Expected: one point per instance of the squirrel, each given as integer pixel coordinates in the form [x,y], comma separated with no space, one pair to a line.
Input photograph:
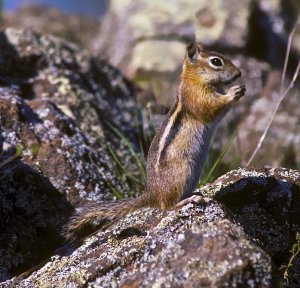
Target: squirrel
[180,146]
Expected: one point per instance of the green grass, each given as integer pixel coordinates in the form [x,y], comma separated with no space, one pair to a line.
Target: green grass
[132,179]
[19,152]
[295,252]
[137,158]
[214,165]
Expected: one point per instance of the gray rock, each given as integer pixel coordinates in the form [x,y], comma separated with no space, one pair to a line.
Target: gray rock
[239,237]
[282,143]
[131,23]
[56,101]
[75,28]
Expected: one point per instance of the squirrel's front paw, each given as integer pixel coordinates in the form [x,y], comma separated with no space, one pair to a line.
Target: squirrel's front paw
[236,92]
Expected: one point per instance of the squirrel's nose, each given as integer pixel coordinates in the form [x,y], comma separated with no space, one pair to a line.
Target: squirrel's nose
[238,74]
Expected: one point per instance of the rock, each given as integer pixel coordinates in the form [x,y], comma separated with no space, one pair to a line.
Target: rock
[281,145]
[75,28]
[131,23]
[267,209]
[145,58]
[146,40]
[259,26]
[59,104]
[240,237]
[270,23]
[147,65]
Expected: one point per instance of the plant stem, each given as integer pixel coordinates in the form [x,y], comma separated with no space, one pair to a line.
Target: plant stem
[282,94]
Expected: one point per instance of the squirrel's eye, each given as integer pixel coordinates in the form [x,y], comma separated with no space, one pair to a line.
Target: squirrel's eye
[216,62]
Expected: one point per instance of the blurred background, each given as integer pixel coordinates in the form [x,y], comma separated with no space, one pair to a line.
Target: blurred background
[146,41]
[90,8]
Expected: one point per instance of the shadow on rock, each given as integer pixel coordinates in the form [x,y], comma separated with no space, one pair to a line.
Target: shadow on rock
[32,212]
[267,207]
[16,67]
[55,101]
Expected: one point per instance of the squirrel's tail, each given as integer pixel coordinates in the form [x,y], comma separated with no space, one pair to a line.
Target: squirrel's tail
[93,216]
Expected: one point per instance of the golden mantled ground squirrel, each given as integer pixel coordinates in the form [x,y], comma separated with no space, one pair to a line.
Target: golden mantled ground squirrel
[180,146]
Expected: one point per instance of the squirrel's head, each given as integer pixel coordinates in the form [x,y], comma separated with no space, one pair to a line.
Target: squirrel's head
[208,67]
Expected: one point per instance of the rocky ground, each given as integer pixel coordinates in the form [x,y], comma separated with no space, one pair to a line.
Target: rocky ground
[240,237]
[57,106]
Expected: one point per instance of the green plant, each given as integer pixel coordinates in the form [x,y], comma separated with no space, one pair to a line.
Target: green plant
[34,149]
[18,153]
[136,157]
[295,251]
[213,167]
[131,180]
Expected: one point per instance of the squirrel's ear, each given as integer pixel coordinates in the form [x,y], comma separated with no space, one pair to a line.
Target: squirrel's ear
[193,50]
[200,47]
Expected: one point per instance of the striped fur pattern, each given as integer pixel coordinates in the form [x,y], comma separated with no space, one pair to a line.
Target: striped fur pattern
[175,161]
[179,148]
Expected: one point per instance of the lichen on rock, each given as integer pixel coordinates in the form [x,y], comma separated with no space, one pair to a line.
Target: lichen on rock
[228,241]
[56,102]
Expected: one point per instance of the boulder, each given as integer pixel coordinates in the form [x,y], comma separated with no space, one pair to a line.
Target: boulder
[58,106]
[240,237]
[261,27]
[132,23]
[76,28]
[57,109]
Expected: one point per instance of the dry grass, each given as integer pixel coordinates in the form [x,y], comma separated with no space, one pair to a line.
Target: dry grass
[284,91]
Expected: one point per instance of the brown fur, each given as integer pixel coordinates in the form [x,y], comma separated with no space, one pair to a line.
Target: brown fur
[201,103]
[180,146]
[85,221]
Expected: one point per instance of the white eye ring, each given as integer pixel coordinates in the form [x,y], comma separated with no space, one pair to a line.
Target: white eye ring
[215,66]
